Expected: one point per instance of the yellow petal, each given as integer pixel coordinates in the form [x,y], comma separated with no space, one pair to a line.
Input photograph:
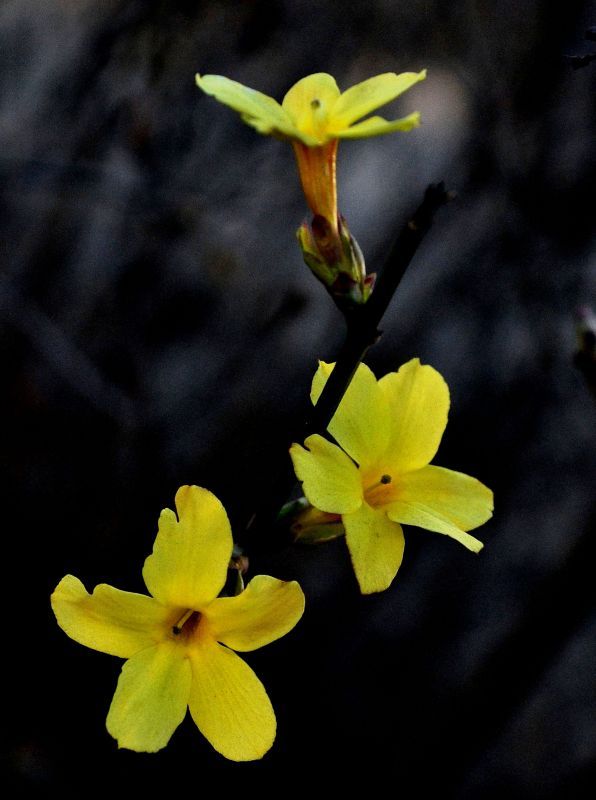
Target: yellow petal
[371,94]
[418,399]
[361,424]
[109,620]
[229,703]
[309,104]
[188,566]
[256,109]
[376,546]
[377,126]
[266,610]
[330,479]
[151,698]
[443,501]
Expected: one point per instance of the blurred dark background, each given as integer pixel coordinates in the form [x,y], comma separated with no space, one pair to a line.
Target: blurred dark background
[157,327]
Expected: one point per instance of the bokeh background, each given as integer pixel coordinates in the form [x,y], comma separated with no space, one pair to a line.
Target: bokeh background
[158,328]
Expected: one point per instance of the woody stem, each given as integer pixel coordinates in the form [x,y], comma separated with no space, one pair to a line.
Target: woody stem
[362,321]
[362,332]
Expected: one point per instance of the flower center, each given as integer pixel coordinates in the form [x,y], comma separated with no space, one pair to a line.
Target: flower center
[187,622]
[380,492]
[318,117]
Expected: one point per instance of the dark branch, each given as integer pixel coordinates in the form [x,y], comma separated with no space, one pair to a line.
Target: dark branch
[363,321]
[362,332]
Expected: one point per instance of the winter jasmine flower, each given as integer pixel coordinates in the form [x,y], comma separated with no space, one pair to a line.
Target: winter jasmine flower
[179,642]
[378,476]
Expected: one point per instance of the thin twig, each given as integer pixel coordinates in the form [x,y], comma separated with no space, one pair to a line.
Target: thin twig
[362,331]
[363,321]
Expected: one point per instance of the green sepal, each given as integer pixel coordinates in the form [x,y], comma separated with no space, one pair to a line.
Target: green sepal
[317,534]
[336,259]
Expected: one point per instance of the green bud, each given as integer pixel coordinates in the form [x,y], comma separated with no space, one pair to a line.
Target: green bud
[336,259]
[311,526]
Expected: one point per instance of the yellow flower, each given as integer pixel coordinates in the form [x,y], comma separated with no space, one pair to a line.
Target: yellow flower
[314,115]
[390,431]
[180,641]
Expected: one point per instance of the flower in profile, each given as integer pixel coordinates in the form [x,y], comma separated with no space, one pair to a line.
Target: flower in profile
[314,115]
[180,641]
[380,476]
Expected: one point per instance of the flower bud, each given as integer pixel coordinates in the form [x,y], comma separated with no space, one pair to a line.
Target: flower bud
[336,259]
[312,526]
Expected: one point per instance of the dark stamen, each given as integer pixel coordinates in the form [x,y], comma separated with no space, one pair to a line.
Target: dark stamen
[177,628]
